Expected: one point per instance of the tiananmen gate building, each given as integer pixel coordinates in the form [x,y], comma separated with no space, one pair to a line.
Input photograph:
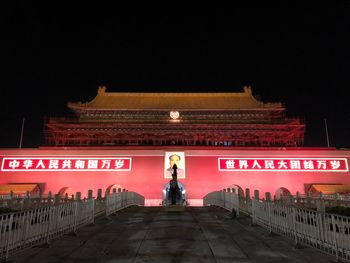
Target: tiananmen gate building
[220,140]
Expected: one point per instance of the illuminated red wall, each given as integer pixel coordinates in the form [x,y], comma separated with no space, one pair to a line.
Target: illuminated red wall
[202,174]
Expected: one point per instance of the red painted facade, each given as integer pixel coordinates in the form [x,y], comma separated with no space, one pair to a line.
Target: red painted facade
[202,173]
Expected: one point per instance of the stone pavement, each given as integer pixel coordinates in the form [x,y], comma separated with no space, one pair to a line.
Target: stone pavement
[151,234]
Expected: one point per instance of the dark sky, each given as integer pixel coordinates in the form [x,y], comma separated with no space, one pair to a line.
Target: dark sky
[298,55]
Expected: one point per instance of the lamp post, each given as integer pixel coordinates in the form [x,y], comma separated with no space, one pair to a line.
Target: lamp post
[21,138]
[325,124]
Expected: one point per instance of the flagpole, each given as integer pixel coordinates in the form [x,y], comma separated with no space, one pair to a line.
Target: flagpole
[20,141]
[325,124]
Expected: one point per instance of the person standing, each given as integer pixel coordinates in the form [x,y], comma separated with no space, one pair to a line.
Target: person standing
[174,187]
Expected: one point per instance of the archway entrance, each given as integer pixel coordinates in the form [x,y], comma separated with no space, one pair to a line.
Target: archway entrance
[114,188]
[236,188]
[66,191]
[281,193]
[181,199]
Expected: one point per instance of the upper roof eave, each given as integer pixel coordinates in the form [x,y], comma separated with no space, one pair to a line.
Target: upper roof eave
[168,101]
[178,109]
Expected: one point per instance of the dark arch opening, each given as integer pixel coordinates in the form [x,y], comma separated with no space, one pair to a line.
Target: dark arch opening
[66,191]
[281,193]
[236,188]
[114,188]
[181,199]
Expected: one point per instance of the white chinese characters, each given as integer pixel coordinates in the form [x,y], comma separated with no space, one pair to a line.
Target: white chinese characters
[285,164]
[66,164]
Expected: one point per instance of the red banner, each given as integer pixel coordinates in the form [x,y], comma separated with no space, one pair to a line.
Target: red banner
[284,164]
[65,164]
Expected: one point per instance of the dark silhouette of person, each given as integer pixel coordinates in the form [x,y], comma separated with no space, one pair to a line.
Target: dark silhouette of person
[174,187]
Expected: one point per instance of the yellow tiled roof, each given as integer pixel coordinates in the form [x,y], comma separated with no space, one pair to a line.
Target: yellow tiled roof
[176,101]
[330,188]
[18,188]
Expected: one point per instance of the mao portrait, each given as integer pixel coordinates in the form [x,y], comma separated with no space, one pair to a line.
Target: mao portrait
[172,158]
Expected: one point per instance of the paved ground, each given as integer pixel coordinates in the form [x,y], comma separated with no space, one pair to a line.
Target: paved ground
[150,234]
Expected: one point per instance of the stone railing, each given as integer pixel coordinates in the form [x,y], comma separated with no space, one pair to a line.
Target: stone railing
[318,202]
[58,216]
[327,232]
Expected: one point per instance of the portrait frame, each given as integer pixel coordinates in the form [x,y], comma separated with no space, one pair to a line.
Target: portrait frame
[181,165]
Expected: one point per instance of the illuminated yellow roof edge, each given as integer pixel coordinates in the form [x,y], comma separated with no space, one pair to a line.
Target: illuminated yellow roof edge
[216,104]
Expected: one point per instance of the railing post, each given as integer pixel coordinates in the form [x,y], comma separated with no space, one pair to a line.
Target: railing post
[294,221]
[92,203]
[76,214]
[320,206]
[290,199]
[107,204]
[27,200]
[49,198]
[297,196]
[268,204]
[10,202]
[99,193]
[338,199]
[256,194]
[247,194]
[98,201]
[240,197]
[9,236]
[335,238]
[321,223]
[90,192]
[240,193]
[309,199]
[248,201]
[57,199]
[50,216]
[235,202]
[254,201]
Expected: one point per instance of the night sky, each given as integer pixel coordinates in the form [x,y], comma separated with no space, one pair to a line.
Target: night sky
[297,55]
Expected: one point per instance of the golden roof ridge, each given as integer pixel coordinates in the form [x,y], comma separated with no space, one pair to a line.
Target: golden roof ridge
[181,100]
